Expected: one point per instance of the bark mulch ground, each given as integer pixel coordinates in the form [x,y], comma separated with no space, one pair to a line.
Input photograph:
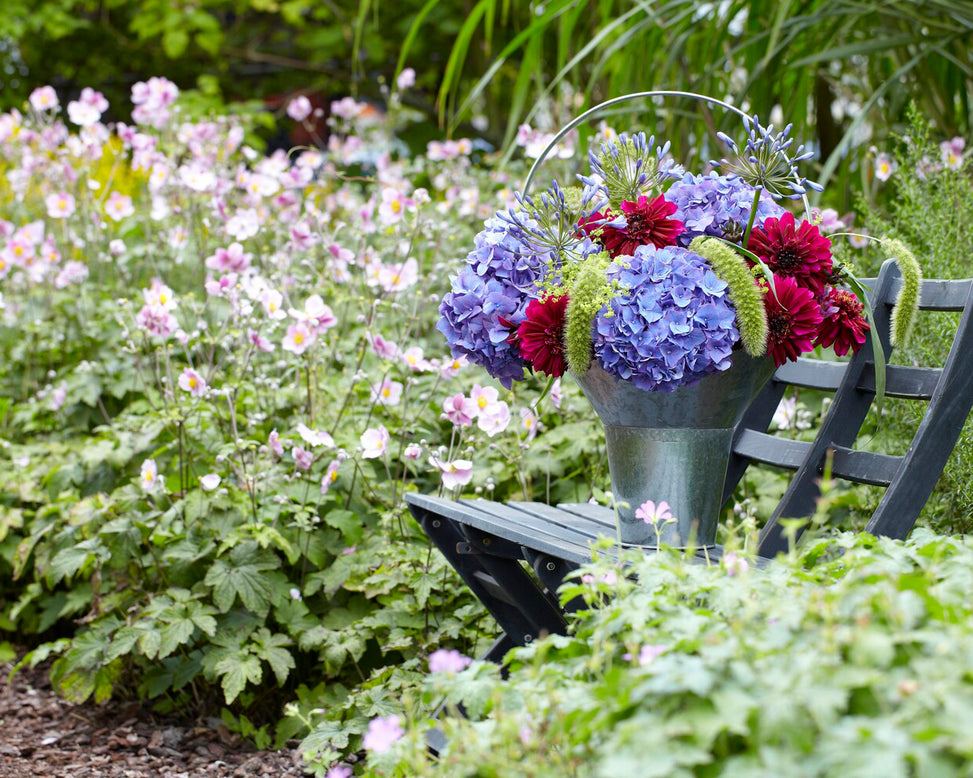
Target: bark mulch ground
[42,735]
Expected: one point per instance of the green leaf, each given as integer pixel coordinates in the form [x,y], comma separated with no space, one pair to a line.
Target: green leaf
[250,582]
[174,42]
[236,672]
[174,634]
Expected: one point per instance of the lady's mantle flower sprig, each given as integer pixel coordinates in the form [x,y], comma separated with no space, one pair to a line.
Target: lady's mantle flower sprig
[767,162]
[630,167]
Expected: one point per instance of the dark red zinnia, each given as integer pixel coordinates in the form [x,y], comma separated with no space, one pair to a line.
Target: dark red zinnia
[796,252]
[541,335]
[845,327]
[793,318]
[647,224]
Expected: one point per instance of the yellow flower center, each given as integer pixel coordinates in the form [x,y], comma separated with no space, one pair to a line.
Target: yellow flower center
[298,338]
[396,206]
[192,383]
[386,392]
[334,476]
[19,251]
[482,402]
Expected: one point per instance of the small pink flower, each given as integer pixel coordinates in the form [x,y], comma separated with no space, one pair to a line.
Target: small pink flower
[44,98]
[387,392]
[313,437]
[339,771]
[192,382]
[654,514]
[555,393]
[528,420]
[382,733]
[412,451]
[299,108]
[393,206]
[298,338]
[457,473]
[59,395]
[60,205]
[460,410]
[382,347]
[648,654]
[210,481]
[884,166]
[485,397]
[495,420]
[316,314]
[452,367]
[406,79]
[413,357]
[119,206]
[330,475]
[374,442]
[303,459]
[273,440]
[734,564]
[260,341]
[448,661]
[149,476]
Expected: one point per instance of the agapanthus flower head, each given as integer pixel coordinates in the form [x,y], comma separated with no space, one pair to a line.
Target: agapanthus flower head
[672,327]
[631,166]
[799,252]
[767,160]
[793,318]
[547,224]
[844,327]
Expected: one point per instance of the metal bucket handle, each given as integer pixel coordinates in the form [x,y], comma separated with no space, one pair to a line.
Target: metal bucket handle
[581,118]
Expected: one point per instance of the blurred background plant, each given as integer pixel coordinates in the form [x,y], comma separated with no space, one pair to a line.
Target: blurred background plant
[843,72]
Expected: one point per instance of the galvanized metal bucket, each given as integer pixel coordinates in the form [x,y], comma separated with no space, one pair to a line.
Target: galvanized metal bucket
[673,447]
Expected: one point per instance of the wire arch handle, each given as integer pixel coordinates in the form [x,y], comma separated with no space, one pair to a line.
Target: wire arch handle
[583,117]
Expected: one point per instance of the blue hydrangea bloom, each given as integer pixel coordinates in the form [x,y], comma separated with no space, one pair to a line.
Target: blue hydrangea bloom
[498,281]
[671,325]
[715,205]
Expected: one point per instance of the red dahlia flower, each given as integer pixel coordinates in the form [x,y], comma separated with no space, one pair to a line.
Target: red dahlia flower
[797,252]
[793,318]
[647,223]
[541,335]
[845,328]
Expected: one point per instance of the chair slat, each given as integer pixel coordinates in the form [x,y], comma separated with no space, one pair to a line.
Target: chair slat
[905,382]
[812,374]
[865,467]
[771,450]
[937,294]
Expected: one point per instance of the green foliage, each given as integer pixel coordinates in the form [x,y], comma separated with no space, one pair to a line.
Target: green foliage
[847,658]
[745,295]
[927,206]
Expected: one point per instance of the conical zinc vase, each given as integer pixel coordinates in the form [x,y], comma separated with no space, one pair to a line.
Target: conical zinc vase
[673,447]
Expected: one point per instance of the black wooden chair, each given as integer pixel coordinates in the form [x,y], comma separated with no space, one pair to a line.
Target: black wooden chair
[515,555]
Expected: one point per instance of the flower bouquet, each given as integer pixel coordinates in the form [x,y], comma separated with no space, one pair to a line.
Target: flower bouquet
[647,280]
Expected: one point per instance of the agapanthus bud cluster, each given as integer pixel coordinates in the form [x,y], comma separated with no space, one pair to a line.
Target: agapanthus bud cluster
[767,160]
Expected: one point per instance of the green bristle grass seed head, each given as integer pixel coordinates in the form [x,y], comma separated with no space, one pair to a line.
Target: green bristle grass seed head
[907,302]
[744,293]
[590,291]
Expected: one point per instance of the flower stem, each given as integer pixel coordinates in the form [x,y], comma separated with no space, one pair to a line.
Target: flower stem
[753,215]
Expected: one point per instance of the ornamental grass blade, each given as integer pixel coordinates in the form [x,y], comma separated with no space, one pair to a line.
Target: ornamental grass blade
[878,353]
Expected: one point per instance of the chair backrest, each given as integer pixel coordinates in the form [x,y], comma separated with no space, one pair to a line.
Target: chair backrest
[909,478]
